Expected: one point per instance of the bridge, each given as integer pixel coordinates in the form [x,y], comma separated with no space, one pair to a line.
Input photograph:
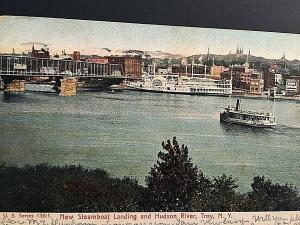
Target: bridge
[29,66]
[16,69]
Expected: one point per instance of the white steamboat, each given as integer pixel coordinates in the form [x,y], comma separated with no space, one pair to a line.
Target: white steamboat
[183,85]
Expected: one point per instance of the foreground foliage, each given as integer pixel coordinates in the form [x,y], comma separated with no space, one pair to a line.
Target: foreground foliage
[173,184]
[44,188]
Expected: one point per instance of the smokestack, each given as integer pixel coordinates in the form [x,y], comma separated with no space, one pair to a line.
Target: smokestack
[237,107]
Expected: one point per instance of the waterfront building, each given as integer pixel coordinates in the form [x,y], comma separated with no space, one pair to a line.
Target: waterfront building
[42,53]
[295,67]
[292,86]
[241,81]
[269,79]
[216,71]
[245,79]
[167,70]
[278,79]
[249,78]
[256,86]
[76,56]
[235,76]
[132,65]
[98,60]
[241,68]
[150,69]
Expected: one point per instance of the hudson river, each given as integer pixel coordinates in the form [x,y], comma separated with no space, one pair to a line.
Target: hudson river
[122,133]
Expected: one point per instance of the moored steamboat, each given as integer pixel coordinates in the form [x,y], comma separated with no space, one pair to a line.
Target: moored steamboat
[183,85]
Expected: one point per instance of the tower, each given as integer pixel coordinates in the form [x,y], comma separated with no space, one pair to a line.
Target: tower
[192,66]
[208,53]
[283,56]
[247,58]
[201,59]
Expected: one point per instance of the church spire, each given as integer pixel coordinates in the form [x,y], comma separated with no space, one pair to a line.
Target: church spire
[247,58]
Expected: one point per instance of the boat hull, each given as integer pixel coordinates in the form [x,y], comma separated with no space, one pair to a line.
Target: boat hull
[177,92]
[245,123]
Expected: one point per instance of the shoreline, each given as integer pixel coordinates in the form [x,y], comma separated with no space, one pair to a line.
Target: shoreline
[281,98]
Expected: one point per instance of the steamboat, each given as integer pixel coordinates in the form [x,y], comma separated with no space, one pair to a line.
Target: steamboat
[235,115]
[182,85]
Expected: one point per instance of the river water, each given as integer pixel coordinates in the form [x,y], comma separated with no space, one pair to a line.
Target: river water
[122,133]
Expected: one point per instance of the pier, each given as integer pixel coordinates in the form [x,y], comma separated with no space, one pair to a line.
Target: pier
[14,70]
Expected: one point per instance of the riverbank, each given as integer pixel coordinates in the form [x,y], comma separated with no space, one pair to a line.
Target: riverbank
[277,97]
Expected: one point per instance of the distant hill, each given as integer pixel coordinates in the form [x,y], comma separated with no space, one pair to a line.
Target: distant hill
[227,59]
[167,58]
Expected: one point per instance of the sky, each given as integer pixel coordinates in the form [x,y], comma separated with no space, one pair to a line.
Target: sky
[89,37]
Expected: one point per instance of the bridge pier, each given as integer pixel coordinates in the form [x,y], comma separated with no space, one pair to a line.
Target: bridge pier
[68,86]
[57,84]
[1,84]
[15,69]
[13,84]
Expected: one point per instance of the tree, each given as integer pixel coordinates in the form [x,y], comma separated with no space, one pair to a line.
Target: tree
[174,183]
[224,195]
[266,196]
[44,188]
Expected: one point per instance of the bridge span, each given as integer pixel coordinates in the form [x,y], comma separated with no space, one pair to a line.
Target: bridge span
[14,70]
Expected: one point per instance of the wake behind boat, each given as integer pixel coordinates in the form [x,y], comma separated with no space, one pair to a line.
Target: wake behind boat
[247,118]
[182,85]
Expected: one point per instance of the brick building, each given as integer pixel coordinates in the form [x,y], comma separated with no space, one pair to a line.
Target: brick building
[131,65]
[236,81]
[76,56]
[245,81]
[98,60]
[240,68]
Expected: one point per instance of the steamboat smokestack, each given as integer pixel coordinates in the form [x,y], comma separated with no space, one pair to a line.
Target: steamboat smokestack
[237,107]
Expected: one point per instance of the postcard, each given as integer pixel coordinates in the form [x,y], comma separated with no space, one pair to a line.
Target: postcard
[122,123]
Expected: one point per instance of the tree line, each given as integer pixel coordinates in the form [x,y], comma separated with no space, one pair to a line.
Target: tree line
[173,184]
